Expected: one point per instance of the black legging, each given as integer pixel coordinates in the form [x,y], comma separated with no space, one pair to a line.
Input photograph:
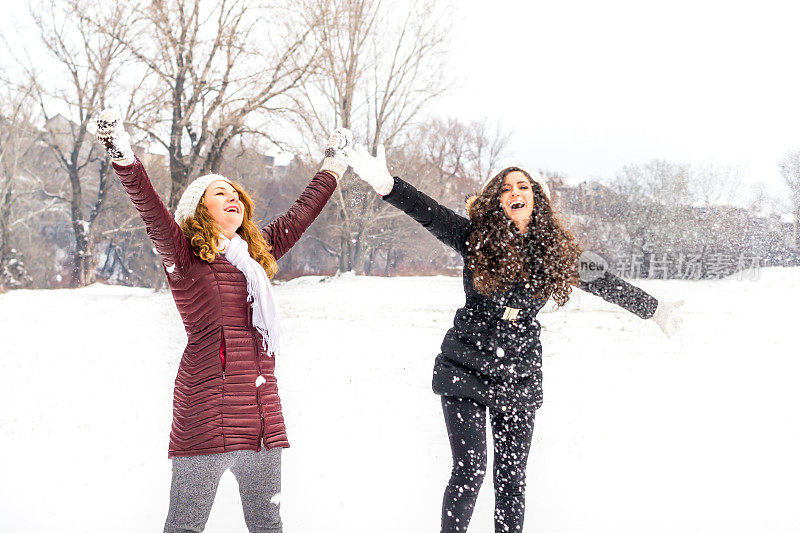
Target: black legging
[512,432]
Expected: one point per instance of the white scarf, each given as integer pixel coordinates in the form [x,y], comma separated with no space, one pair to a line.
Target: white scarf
[266,316]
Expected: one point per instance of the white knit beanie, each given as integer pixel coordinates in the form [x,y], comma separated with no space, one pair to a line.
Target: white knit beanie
[535,176]
[191,196]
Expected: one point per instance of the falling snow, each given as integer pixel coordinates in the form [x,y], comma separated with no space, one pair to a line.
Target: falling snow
[632,423]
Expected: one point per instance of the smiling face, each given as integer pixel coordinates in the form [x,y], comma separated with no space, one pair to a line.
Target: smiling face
[224,206]
[516,198]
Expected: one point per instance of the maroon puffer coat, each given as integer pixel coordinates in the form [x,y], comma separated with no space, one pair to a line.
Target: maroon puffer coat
[218,409]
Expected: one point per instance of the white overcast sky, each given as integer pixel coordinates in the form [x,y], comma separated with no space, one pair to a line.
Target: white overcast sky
[588,86]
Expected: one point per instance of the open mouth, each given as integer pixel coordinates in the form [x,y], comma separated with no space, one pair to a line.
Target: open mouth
[232,209]
[516,204]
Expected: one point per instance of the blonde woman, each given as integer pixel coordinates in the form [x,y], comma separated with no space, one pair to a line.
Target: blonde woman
[226,408]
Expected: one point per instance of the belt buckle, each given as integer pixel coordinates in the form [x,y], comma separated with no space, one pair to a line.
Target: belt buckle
[510,313]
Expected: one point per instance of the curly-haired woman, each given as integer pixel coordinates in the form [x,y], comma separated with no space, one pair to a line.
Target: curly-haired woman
[226,409]
[516,256]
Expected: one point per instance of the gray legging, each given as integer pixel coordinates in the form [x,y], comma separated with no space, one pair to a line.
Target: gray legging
[194,485]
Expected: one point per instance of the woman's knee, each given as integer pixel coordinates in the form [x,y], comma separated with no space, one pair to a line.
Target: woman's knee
[510,483]
[469,471]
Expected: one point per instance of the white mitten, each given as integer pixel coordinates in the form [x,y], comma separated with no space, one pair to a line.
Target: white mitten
[666,317]
[371,169]
[335,160]
[112,136]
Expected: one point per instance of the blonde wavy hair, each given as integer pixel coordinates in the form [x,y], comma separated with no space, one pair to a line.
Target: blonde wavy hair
[202,232]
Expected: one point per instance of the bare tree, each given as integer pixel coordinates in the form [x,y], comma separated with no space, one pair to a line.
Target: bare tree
[380,65]
[715,184]
[659,181]
[763,203]
[654,199]
[790,170]
[218,68]
[86,63]
[448,160]
[18,137]
[489,148]
[458,154]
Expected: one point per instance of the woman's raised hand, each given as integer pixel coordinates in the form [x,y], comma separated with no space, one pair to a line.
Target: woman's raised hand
[371,169]
[666,318]
[335,160]
[112,136]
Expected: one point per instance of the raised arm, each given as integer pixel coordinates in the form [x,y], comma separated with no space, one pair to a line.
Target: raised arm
[286,230]
[162,229]
[616,290]
[611,288]
[443,223]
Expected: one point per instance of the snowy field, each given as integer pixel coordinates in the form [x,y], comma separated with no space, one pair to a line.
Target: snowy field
[638,433]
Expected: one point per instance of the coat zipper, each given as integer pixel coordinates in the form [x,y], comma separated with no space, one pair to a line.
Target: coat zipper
[258,389]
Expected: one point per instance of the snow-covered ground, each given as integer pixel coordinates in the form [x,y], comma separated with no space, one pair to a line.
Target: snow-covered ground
[637,433]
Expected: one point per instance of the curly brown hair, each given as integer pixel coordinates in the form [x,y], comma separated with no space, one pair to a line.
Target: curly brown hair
[500,255]
[203,232]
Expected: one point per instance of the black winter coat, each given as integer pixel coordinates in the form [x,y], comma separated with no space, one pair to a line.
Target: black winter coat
[496,361]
